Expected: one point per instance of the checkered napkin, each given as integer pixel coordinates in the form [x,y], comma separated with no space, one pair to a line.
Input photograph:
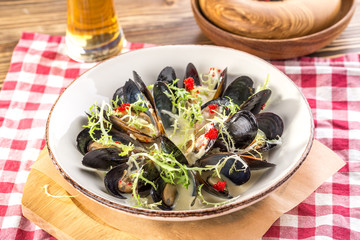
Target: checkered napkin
[40,70]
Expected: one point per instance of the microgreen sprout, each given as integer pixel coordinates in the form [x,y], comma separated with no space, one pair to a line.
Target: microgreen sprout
[215,204]
[134,116]
[265,85]
[97,121]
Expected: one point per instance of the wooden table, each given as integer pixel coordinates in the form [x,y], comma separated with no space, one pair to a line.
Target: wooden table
[153,21]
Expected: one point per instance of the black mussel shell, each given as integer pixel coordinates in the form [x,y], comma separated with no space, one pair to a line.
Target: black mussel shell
[130,130]
[143,89]
[242,127]
[271,124]
[192,72]
[151,173]
[103,158]
[220,87]
[164,192]
[241,172]
[161,94]
[129,93]
[235,169]
[112,179]
[208,188]
[169,147]
[257,102]
[219,101]
[255,164]
[167,75]
[147,94]
[83,139]
[240,90]
[125,139]
[207,144]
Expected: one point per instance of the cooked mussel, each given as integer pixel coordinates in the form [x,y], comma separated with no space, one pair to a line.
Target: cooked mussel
[257,101]
[239,90]
[272,126]
[164,104]
[149,172]
[235,169]
[146,92]
[118,181]
[221,102]
[146,127]
[104,158]
[191,72]
[209,86]
[204,141]
[256,163]
[165,193]
[242,128]
[85,143]
[208,185]
[169,147]
[167,75]
[221,85]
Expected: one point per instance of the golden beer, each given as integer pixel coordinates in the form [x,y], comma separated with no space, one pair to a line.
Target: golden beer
[93,32]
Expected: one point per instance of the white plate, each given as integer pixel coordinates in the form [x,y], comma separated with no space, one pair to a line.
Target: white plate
[99,83]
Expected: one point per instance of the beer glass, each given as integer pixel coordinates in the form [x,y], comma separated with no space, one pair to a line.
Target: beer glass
[93,32]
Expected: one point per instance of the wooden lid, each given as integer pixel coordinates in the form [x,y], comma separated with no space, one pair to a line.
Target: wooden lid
[271,19]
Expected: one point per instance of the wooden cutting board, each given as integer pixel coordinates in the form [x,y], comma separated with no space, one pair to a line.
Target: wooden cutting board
[63,218]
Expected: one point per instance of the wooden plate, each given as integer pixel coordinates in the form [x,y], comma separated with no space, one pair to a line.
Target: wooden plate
[276,48]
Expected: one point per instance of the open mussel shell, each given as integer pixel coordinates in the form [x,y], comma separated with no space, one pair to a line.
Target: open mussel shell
[83,140]
[143,89]
[130,130]
[129,93]
[167,75]
[255,164]
[240,90]
[203,144]
[146,92]
[210,189]
[151,173]
[164,192]
[112,179]
[257,102]
[103,158]
[164,104]
[125,139]
[222,101]
[242,127]
[220,87]
[271,124]
[235,168]
[169,147]
[193,73]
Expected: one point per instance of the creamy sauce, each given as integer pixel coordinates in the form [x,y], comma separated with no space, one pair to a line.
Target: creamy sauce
[185,198]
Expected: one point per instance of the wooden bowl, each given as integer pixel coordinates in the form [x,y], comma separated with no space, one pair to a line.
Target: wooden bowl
[276,48]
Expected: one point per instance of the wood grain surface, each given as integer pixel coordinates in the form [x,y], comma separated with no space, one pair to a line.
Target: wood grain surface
[271,20]
[159,22]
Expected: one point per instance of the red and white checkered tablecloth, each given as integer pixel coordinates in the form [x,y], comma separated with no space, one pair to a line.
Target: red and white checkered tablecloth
[40,70]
